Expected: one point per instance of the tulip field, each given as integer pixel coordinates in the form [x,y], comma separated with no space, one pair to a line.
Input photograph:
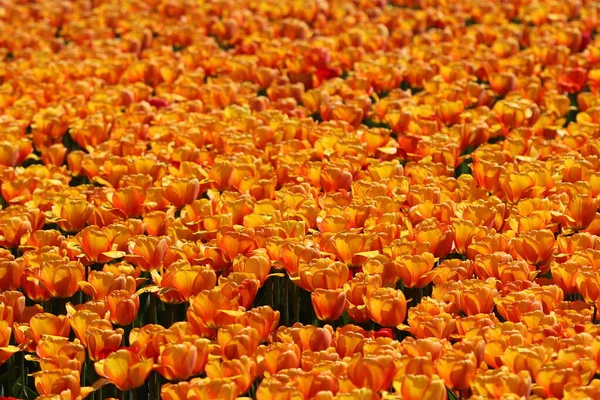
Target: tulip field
[299,199]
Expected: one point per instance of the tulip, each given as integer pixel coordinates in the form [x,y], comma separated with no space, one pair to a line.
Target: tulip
[10,275]
[59,353]
[535,247]
[212,389]
[276,357]
[6,351]
[237,340]
[457,371]
[328,304]
[44,324]
[54,382]
[372,372]
[72,213]
[323,274]
[350,247]
[182,191]
[61,278]
[147,252]
[552,379]
[124,369]
[386,306]
[264,319]
[423,387]
[123,307]
[416,270]
[177,361]
[102,342]
[498,382]
[241,371]
[182,281]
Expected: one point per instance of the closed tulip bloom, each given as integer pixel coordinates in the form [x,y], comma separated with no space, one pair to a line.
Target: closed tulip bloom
[62,278]
[175,391]
[526,358]
[212,389]
[177,361]
[237,340]
[102,342]
[147,252]
[478,300]
[123,307]
[422,387]
[552,379]
[328,304]
[56,381]
[535,247]
[373,372]
[264,319]
[6,351]
[180,192]
[184,281]
[457,371]
[124,369]
[16,301]
[386,306]
[323,273]
[242,371]
[73,213]
[10,275]
[277,356]
[416,270]
[498,382]
[45,324]
[60,353]
[588,284]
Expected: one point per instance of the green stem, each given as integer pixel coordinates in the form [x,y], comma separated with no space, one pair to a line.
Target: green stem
[296,306]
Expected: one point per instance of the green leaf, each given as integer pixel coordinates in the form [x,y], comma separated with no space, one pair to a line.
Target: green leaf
[452,396]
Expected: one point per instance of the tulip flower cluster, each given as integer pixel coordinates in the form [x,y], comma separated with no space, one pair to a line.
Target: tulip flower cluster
[316,199]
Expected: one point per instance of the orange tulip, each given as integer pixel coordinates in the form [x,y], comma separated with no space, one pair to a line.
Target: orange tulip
[588,284]
[386,306]
[43,324]
[264,319]
[182,281]
[179,361]
[458,371]
[212,389]
[535,247]
[182,191]
[10,275]
[242,371]
[72,213]
[322,273]
[412,387]
[147,252]
[373,372]
[237,340]
[328,304]
[61,278]
[350,247]
[6,351]
[213,308]
[552,379]
[59,353]
[276,357]
[124,369]
[102,342]
[498,382]
[54,382]
[123,306]
[416,270]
